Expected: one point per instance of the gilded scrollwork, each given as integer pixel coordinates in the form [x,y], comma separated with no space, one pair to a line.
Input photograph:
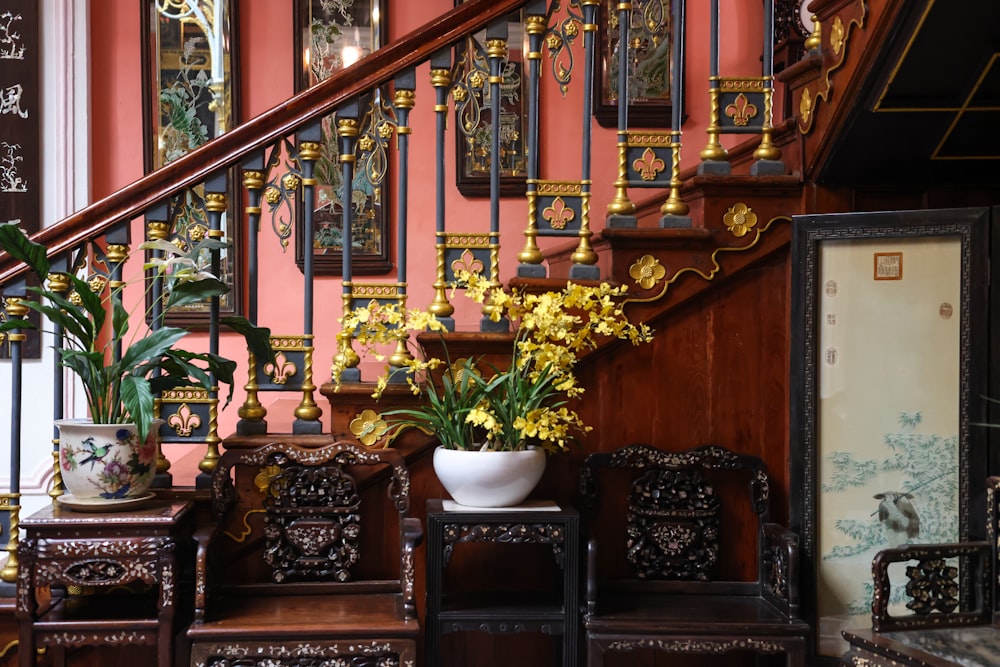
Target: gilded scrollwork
[560,39]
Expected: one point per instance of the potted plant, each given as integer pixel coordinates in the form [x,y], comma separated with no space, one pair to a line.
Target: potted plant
[117,460]
[518,411]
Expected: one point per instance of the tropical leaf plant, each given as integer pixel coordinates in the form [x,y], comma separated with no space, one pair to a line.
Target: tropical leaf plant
[121,389]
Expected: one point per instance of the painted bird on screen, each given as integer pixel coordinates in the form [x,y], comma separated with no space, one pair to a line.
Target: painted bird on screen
[898,517]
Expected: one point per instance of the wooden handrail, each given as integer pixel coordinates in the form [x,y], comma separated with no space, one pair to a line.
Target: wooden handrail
[280,121]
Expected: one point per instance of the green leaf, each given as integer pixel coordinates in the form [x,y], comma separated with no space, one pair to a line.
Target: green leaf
[151,347]
[89,301]
[18,245]
[185,292]
[119,316]
[138,400]
[258,338]
[74,321]
[8,325]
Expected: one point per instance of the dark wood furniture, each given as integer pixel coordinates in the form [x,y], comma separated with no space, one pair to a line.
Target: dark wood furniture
[100,579]
[553,612]
[950,594]
[944,626]
[661,526]
[310,560]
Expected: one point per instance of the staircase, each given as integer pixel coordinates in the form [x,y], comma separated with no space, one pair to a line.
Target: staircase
[704,254]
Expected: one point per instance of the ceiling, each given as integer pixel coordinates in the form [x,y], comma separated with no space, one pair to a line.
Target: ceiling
[929,109]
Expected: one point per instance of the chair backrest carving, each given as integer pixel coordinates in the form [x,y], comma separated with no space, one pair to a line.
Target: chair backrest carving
[672,525]
[673,510]
[311,500]
[312,522]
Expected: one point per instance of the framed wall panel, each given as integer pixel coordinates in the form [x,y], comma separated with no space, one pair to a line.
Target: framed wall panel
[190,75]
[328,37]
[650,58]
[473,115]
[889,362]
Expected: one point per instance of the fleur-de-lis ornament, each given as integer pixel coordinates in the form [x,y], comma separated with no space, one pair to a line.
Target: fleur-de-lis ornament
[741,111]
[281,369]
[184,421]
[648,165]
[558,215]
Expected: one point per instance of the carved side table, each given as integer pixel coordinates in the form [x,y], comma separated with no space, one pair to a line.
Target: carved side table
[100,579]
[450,611]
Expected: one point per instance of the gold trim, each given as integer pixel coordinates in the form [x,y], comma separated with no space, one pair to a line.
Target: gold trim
[472,240]
[743,84]
[713,150]
[674,205]
[716,267]
[370,291]
[8,647]
[157,230]
[805,124]
[239,539]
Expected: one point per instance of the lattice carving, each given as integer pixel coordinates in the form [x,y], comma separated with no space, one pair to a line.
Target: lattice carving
[672,526]
[312,522]
[932,586]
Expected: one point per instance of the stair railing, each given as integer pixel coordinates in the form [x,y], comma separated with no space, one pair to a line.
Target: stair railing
[290,134]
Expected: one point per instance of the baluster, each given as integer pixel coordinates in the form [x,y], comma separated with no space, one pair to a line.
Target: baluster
[118,239]
[584,258]
[58,281]
[674,211]
[347,133]
[403,101]
[768,156]
[11,502]
[252,413]
[158,229]
[714,158]
[307,413]
[496,54]
[621,210]
[814,42]
[531,257]
[441,81]
[216,203]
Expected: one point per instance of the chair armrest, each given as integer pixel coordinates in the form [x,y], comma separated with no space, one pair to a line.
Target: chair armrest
[933,587]
[779,563]
[590,586]
[202,538]
[412,532]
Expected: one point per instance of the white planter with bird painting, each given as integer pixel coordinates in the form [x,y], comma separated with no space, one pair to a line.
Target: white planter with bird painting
[105,464]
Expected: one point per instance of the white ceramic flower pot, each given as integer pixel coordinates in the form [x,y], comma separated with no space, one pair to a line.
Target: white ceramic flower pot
[105,461]
[489,479]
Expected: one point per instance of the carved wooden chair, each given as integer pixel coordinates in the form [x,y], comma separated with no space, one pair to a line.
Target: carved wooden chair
[310,560]
[939,608]
[662,526]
